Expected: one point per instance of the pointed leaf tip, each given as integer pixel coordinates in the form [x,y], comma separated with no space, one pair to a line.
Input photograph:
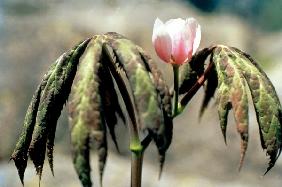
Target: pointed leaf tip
[102,156]
[161,162]
[224,136]
[244,145]
[50,159]
[270,166]
[21,166]
[223,110]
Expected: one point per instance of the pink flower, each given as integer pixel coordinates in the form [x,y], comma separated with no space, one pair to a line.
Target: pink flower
[177,40]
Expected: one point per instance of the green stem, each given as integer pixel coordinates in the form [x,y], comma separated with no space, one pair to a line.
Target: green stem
[136,158]
[176,89]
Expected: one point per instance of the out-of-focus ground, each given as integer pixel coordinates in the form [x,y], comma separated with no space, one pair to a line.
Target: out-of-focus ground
[34,33]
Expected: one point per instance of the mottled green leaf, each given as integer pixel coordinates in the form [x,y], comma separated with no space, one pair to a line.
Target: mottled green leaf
[144,93]
[110,102]
[109,57]
[232,90]
[164,136]
[236,72]
[52,99]
[85,110]
[266,104]
[20,154]
[224,105]
[37,118]
[264,97]
[150,93]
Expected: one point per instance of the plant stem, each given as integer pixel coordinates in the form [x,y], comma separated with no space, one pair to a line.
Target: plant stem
[136,158]
[136,168]
[184,101]
[176,89]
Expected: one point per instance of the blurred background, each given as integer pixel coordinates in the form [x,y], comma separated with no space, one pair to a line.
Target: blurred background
[34,33]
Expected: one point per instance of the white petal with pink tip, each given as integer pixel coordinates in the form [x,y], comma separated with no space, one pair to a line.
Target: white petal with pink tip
[177,40]
[161,41]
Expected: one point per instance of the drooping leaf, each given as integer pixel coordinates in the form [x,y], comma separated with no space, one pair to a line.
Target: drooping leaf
[81,152]
[111,105]
[66,86]
[233,90]
[144,93]
[20,154]
[36,115]
[150,94]
[118,74]
[164,136]
[88,123]
[51,103]
[266,104]
[236,72]
[264,97]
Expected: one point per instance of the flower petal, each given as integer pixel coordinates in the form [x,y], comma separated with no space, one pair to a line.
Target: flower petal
[161,41]
[180,49]
[176,40]
[180,38]
[195,33]
[158,25]
[174,27]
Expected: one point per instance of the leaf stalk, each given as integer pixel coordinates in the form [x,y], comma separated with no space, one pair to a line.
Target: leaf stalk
[176,89]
